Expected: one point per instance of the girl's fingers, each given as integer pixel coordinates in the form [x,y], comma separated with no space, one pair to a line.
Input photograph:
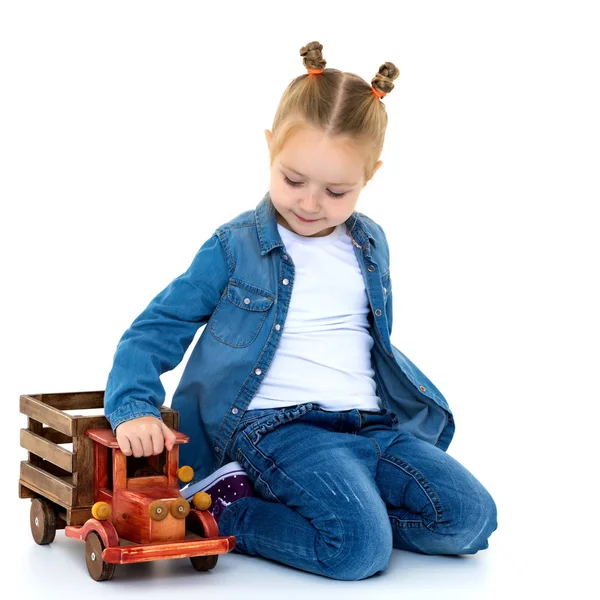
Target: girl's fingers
[136,446]
[124,444]
[169,436]
[157,441]
[146,440]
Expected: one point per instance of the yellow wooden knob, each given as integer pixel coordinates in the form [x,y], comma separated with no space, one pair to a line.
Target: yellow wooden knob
[201,500]
[101,511]
[185,473]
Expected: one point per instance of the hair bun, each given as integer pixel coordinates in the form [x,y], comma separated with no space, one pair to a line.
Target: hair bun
[312,57]
[385,76]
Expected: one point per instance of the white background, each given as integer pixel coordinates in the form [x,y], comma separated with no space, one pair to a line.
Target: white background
[130,130]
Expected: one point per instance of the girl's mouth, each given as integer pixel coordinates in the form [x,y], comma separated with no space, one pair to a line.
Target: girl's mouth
[306,220]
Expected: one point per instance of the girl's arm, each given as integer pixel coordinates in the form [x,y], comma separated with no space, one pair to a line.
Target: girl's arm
[157,340]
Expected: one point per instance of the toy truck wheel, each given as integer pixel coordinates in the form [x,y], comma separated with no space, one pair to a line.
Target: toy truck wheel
[98,569]
[201,563]
[204,563]
[43,521]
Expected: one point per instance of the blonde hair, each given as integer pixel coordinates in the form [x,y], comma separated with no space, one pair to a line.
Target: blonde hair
[341,104]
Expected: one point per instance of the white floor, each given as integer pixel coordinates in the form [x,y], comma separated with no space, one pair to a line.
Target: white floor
[521,558]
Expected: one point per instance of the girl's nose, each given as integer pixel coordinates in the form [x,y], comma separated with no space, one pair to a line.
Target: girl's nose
[310,203]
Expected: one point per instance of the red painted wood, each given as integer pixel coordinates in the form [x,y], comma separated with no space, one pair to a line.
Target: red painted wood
[105,529]
[172,462]
[180,549]
[107,438]
[119,470]
[144,482]
[209,525]
[100,469]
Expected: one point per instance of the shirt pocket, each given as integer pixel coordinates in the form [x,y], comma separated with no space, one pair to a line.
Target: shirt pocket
[240,314]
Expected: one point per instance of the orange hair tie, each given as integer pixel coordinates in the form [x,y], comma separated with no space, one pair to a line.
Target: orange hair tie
[314,71]
[378,93]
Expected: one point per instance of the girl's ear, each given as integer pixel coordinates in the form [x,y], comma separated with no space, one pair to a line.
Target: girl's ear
[268,136]
[377,165]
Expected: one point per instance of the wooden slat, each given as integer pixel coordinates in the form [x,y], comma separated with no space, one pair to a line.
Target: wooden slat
[83,470]
[82,424]
[74,400]
[170,417]
[47,450]
[47,485]
[77,516]
[35,427]
[25,492]
[46,414]
[55,436]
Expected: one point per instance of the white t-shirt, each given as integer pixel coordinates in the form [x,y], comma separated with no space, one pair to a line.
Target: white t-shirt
[324,353]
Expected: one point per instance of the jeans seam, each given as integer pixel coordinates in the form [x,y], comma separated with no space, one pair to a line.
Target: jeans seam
[406,523]
[377,448]
[423,484]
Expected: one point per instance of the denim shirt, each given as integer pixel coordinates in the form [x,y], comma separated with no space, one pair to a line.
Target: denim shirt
[239,285]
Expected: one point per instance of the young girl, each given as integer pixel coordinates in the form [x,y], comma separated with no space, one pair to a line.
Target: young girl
[326,444]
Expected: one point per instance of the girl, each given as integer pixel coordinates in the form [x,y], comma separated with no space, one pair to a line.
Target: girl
[326,444]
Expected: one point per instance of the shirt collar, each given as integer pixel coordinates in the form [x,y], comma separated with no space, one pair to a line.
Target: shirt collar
[268,235]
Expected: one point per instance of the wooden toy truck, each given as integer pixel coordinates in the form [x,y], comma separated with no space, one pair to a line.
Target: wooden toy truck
[125,509]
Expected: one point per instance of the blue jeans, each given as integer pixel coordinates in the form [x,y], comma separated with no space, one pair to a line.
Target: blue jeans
[335,492]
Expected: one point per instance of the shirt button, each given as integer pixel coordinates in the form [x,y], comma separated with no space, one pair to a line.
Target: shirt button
[421,388]
[257,371]
[285,257]
[246,300]
[285,281]
[235,411]
[277,326]
[217,449]
[371,268]
[378,312]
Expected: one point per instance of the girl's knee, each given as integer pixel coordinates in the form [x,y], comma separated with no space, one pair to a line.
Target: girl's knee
[478,520]
[365,549]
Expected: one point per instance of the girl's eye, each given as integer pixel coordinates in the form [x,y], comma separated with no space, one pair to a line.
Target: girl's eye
[298,183]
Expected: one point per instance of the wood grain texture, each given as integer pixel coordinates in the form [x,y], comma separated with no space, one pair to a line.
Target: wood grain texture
[181,549]
[83,470]
[46,414]
[47,450]
[47,485]
[74,400]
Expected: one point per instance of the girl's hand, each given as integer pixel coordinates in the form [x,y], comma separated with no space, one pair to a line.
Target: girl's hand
[144,436]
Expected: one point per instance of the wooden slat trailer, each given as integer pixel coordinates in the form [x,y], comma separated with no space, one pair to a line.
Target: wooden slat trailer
[126,509]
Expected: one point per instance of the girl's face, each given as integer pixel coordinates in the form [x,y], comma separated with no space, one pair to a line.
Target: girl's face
[315,182]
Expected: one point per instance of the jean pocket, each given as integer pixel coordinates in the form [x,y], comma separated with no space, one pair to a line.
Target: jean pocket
[267,423]
[260,487]
[251,416]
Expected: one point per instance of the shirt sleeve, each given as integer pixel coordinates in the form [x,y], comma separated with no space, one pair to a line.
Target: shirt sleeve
[158,338]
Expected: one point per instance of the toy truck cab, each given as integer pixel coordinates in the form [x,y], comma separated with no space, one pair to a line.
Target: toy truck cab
[139,514]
